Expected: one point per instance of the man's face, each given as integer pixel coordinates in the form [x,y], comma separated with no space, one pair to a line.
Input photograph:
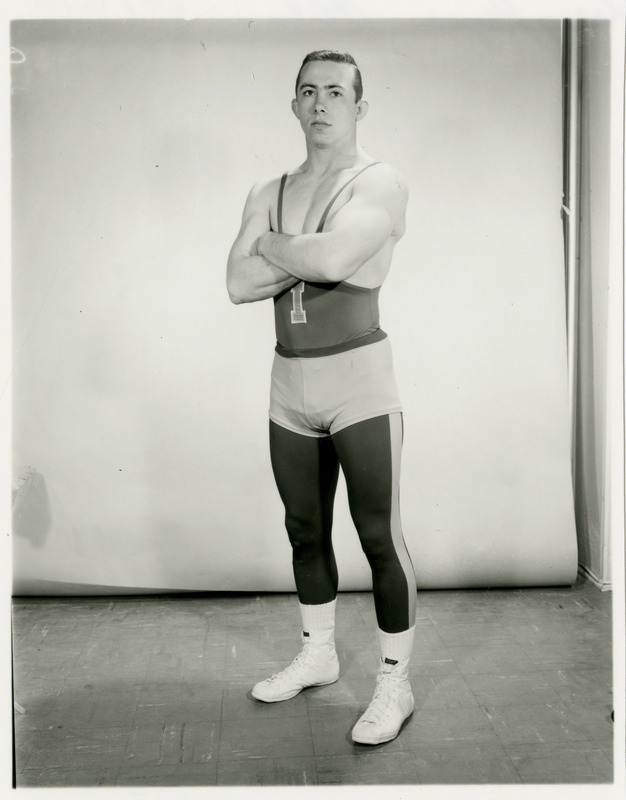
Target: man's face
[325,103]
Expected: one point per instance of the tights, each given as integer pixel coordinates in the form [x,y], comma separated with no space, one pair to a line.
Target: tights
[306,470]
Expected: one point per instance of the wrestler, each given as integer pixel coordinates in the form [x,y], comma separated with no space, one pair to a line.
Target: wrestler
[319,241]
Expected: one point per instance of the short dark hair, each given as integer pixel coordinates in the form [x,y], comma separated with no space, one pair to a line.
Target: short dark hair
[339,58]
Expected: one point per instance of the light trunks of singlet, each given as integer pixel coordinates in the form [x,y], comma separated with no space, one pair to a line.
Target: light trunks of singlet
[319,319]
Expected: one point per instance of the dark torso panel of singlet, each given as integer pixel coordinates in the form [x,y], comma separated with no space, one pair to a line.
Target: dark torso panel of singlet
[316,319]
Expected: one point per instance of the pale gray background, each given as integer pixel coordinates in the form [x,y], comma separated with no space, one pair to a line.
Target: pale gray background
[141,393]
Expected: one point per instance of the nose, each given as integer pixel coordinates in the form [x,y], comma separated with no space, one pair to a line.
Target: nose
[320,105]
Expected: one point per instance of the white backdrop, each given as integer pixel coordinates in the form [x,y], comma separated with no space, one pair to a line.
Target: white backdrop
[141,393]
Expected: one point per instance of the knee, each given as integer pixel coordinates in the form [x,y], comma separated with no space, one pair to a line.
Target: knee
[377,543]
[379,554]
[305,530]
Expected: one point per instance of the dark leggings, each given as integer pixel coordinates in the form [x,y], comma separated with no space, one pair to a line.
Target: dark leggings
[306,471]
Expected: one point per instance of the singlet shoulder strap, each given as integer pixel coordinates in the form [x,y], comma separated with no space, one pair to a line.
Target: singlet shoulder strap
[336,195]
[279,210]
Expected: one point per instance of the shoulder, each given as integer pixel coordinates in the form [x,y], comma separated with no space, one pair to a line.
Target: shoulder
[383,181]
[262,198]
[264,192]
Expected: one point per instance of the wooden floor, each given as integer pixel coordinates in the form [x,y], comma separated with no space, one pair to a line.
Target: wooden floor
[511,687]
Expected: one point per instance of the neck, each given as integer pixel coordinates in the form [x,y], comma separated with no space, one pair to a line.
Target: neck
[331,159]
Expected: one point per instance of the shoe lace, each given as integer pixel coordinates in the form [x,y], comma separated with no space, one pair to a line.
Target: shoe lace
[296,665]
[387,686]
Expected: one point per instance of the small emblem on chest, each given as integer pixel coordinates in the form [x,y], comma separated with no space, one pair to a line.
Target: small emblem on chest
[298,314]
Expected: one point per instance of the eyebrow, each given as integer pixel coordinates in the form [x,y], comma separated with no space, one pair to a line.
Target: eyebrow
[327,86]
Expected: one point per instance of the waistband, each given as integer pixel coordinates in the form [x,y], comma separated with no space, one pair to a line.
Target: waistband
[314,352]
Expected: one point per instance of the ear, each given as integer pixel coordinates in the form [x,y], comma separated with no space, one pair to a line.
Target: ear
[361,109]
[294,107]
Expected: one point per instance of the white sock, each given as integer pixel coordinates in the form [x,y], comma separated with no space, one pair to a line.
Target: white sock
[396,646]
[318,617]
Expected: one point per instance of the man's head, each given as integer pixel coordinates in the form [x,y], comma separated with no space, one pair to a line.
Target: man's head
[328,101]
[338,58]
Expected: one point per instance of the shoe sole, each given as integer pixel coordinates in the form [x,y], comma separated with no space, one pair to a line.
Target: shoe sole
[293,694]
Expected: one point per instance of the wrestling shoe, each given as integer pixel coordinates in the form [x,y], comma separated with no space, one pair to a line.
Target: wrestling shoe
[315,665]
[391,705]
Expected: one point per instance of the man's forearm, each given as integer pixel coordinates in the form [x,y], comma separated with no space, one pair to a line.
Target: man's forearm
[254,278]
[308,256]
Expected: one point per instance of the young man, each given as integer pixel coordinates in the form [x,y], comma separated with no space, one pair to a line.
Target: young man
[319,242]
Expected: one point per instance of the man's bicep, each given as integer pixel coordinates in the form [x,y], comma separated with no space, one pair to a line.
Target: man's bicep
[255,221]
[375,204]
[363,221]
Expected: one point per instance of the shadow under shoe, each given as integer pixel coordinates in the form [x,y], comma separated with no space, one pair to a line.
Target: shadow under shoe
[315,665]
[391,705]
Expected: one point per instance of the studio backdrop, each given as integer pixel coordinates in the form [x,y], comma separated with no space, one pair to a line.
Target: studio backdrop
[141,394]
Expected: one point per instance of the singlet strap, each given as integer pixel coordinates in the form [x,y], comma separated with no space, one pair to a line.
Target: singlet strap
[279,211]
[336,195]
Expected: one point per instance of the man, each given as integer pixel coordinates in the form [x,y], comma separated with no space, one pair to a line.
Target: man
[319,242]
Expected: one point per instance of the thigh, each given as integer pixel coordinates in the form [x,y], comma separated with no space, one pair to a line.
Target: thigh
[305,468]
[370,453]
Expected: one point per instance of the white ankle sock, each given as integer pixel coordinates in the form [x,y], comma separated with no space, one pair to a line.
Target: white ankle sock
[318,617]
[396,646]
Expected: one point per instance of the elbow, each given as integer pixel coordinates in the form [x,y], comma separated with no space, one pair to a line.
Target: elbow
[342,259]
[234,293]
[235,297]
[235,288]
[339,268]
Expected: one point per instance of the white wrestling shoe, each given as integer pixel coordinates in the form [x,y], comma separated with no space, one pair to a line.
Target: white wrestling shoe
[315,665]
[391,705]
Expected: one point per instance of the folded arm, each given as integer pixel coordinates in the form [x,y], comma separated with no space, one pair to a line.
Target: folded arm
[249,275]
[355,233]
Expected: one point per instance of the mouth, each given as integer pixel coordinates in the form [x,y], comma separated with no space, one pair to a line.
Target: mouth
[319,124]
